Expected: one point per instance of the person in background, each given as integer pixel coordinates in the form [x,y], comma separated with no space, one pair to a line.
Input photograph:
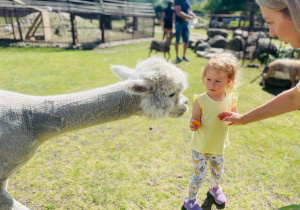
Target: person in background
[283,17]
[210,134]
[167,19]
[183,15]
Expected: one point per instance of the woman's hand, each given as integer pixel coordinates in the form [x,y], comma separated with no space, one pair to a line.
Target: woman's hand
[232,117]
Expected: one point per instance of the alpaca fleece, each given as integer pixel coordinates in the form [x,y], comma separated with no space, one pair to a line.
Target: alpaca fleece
[154,89]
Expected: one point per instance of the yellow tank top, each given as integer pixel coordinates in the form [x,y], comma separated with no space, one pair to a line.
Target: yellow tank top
[212,134]
[298,86]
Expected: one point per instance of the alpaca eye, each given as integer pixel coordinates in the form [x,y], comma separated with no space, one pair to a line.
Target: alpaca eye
[173,94]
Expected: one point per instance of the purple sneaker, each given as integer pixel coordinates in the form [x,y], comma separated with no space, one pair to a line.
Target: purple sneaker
[191,205]
[218,195]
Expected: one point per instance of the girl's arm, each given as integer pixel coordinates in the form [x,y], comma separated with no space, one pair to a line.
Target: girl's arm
[234,109]
[196,115]
[284,102]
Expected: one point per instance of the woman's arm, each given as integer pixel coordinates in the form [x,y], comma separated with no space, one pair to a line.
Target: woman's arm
[284,102]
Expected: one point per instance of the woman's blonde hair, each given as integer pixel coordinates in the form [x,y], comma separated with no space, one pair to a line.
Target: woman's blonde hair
[227,63]
[292,7]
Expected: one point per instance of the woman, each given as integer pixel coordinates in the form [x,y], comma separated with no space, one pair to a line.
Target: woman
[283,17]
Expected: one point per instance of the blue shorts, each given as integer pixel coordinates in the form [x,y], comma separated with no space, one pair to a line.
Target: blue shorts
[182,29]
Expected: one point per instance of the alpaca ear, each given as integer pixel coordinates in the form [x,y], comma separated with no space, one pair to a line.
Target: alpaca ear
[122,72]
[138,86]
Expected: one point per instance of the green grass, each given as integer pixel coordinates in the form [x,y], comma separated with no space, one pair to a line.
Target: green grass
[138,163]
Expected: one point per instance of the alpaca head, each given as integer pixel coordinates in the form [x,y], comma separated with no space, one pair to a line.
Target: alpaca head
[160,85]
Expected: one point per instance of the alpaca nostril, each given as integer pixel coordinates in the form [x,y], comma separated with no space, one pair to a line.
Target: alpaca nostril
[186,101]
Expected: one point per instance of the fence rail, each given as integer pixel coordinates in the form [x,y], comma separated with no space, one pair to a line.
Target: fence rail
[75,21]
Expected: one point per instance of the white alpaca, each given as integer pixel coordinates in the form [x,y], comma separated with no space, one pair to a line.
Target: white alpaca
[154,89]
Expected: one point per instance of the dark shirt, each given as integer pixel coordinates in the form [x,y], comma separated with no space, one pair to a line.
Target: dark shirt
[185,7]
[168,19]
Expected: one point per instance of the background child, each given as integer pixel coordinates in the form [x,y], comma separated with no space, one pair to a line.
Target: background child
[167,19]
[219,77]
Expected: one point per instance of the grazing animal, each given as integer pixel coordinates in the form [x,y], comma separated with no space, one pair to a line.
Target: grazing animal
[283,69]
[162,46]
[154,89]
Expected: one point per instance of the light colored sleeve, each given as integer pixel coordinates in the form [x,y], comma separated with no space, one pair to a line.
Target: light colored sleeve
[198,96]
[298,86]
[235,98]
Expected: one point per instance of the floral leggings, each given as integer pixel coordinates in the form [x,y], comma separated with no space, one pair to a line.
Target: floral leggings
[200,167]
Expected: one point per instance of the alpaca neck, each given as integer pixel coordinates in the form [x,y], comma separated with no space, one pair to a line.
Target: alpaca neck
[84,109]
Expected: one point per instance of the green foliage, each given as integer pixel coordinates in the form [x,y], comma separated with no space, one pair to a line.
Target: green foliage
[159,6]
[225,6]
[283,53]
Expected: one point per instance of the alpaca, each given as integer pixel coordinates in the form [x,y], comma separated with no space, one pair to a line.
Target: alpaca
[284,69]
[154,89]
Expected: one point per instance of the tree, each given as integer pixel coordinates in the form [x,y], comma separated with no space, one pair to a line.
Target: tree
[225,6]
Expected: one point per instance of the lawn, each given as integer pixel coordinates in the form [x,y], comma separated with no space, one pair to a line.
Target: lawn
[138,163]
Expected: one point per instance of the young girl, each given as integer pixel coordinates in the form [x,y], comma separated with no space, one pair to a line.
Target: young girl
[210,133]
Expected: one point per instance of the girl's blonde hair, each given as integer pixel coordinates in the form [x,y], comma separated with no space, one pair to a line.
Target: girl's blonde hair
[290,8]
[227,63]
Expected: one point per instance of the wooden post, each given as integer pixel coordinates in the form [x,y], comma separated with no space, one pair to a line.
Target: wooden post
[251,16]
[292,56]
[102,27]
[135,23]
[245,14]
[153,27]
[5,16]
[257,40]
[268,50]
[12,25]
[74,37]
[19,26]
[37,27]
[32,26]
[240,19]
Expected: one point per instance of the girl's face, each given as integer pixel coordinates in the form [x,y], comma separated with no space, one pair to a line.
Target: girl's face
[282,27]
[216,82]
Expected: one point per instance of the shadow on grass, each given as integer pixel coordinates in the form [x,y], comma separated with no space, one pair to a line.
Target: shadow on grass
[272,85]
[291,207]
[209,202]
[275,90]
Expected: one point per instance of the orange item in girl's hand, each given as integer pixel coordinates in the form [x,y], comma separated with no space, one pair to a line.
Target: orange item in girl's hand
[195,122]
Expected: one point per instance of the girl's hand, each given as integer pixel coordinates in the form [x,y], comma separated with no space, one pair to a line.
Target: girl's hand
[194,125]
